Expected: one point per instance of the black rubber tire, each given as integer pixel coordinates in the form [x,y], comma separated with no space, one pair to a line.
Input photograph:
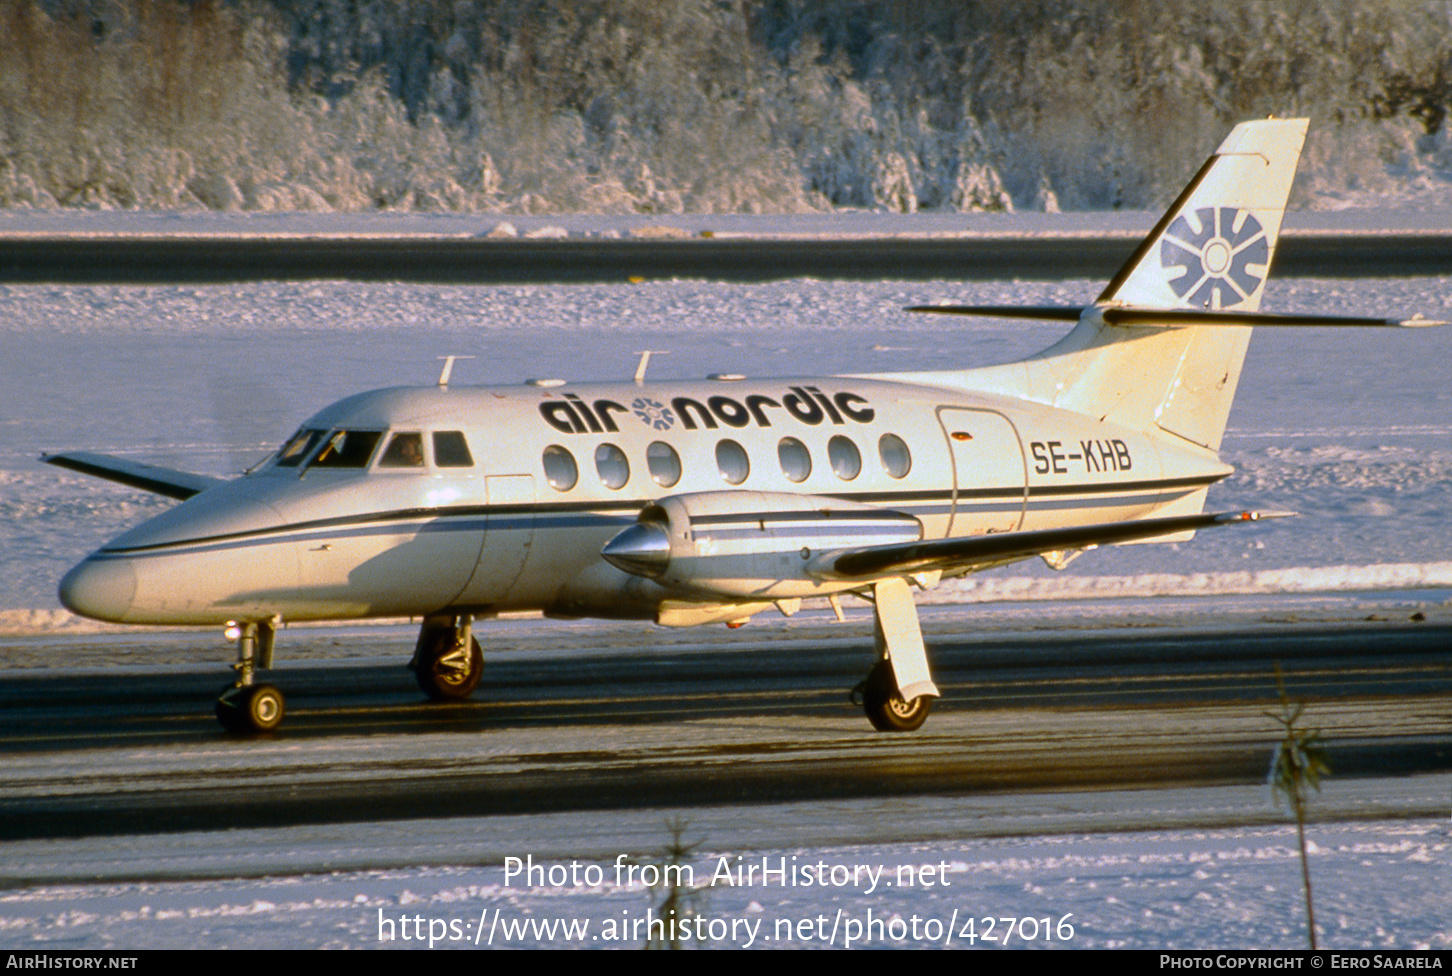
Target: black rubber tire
[443,670]
[886,709]
[251,710]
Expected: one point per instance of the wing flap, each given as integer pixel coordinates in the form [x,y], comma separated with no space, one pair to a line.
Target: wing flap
[180,485]
[961,554]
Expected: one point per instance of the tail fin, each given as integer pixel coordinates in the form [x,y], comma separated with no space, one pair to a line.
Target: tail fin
[1163,345]
[1212,249]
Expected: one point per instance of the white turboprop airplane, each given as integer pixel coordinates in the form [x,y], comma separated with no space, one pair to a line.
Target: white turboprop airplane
[709,501]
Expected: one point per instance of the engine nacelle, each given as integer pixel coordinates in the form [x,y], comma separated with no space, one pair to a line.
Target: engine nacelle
[749,544]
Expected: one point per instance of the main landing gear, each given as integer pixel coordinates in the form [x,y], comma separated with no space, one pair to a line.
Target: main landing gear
[245,707]
[898,692]
[448,662]
[884,704]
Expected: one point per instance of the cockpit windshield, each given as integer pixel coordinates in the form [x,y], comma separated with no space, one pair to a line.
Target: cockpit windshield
[318,448]
[347,449]
[298,447]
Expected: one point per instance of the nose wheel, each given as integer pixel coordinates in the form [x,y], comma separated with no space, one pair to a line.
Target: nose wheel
[251,709]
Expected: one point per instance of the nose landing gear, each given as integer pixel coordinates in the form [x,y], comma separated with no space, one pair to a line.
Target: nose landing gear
[256,708]
[245,708]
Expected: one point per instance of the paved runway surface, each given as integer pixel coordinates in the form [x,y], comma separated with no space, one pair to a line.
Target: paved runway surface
[573,717]
[155,259]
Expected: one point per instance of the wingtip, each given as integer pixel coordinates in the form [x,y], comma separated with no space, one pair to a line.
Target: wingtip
[1250,516]
[1256,516]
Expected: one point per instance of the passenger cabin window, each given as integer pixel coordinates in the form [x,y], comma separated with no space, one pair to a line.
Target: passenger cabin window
[845,459]
[451,450]
[347,449]
[896,460]
[732,461]
[613,468]
[559,467]
[404,451]
[298,447]
[796,461]
[664,463]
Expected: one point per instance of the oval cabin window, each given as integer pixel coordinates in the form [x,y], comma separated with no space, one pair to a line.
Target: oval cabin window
[896,460]
[845,459]
[796,460]
[732,461]
[559,468]
[664,463]
[613,468]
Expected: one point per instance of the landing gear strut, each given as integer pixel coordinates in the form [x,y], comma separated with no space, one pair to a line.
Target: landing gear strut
[898,692]
[244,707]
[448,661]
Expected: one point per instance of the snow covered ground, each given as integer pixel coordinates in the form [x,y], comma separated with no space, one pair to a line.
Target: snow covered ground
[1351,428]
[1376,884]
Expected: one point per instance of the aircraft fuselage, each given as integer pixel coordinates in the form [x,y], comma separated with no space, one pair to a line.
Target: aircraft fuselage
[550,474]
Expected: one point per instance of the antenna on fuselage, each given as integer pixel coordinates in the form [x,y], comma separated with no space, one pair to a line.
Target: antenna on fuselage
[645,355]
[448,370]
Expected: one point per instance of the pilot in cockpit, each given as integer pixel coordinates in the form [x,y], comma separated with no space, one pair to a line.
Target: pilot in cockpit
[404,451]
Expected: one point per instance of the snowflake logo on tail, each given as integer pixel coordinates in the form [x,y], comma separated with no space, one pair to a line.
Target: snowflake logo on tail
[1216,257]
[653,413]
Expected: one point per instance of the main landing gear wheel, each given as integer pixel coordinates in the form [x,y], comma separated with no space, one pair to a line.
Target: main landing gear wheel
[250,709]
[446,669]
[885,708]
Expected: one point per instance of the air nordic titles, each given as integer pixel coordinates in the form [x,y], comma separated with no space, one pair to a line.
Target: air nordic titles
[804,404]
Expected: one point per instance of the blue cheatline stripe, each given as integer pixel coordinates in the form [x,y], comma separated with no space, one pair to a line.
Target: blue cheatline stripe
[473,518]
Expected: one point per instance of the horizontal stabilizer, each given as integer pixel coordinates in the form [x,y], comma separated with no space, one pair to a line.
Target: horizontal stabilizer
[1042,313]
[180,485]
[961,554]
[1121,315]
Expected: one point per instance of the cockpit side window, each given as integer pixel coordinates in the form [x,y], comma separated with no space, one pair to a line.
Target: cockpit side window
[404,451]
[347,449]
[451,450]
[298,447]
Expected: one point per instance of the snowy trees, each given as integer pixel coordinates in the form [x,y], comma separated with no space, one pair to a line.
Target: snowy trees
[696,105]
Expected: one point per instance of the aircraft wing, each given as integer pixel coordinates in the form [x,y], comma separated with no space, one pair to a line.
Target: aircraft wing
[961,554]
[180,485]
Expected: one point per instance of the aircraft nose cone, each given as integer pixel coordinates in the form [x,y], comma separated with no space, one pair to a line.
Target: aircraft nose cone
[643,549]
[102,589]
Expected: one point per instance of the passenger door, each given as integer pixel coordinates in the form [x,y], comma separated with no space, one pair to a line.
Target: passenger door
[989,475]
